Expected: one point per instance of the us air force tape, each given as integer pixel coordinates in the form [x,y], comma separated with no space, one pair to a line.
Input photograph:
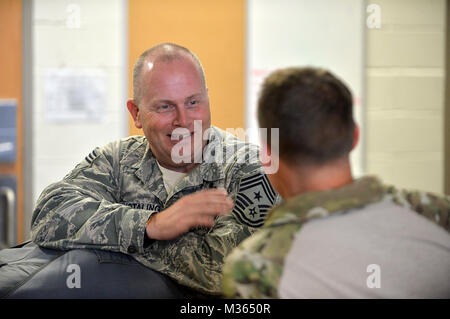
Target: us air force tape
[254,199]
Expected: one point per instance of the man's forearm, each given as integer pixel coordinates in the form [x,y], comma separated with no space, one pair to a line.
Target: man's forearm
[195,259]
[69,217]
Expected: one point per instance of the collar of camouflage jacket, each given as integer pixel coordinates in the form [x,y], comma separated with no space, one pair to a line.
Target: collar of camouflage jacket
[142,159]
[303,207]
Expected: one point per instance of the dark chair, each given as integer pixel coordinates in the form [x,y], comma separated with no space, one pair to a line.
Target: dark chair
[29,271]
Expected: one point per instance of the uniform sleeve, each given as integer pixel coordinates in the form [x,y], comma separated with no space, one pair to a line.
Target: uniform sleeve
[195,259]
[81,211]
[434,207]
[248,273]
[253,270]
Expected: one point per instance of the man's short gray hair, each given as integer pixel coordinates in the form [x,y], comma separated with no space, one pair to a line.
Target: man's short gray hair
[165,52]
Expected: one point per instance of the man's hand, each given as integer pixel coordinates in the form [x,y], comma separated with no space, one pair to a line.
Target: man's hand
[194,210]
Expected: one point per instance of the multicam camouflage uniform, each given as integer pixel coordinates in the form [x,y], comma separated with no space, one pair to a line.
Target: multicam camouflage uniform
[254,268]
[106,200]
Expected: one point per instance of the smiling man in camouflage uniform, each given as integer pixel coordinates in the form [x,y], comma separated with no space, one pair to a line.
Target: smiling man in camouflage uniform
[334,236]
[175,209]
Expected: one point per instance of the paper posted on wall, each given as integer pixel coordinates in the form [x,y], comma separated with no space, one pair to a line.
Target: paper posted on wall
[74,94]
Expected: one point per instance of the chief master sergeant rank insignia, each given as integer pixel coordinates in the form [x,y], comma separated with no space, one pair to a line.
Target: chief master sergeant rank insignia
[255,197]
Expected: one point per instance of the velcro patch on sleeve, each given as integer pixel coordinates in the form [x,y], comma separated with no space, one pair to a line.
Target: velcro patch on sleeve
[254,199]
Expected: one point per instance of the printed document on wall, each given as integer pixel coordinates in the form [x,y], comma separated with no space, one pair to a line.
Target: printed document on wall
[73,95]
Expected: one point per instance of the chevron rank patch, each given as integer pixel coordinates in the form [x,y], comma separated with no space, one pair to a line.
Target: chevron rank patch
[90,158]
[254,199]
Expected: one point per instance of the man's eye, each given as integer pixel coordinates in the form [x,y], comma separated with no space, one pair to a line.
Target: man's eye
[193,103]
[163,108]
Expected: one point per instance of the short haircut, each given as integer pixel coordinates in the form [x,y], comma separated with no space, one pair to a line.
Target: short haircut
[313,111]
[165,52]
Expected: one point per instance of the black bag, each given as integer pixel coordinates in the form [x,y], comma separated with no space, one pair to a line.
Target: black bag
[29,271]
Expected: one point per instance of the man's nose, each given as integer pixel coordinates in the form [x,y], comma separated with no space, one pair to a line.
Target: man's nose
[181,118]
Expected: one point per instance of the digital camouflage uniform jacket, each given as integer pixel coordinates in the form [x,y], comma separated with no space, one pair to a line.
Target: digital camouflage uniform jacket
[254,269]
[106,200]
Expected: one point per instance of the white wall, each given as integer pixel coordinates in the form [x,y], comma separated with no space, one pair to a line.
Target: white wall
[98,45]
[396,71]
[322,33]
[405,94]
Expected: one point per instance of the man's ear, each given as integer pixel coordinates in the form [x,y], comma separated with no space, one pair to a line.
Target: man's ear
[265,153]
[134,112]
[355,136]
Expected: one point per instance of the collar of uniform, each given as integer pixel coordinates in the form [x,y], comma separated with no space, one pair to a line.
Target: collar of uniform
[141,158]
[361,192]
[134,152]
[211,168]
[147,166]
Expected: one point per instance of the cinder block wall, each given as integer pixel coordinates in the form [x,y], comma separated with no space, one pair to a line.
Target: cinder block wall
[405,73]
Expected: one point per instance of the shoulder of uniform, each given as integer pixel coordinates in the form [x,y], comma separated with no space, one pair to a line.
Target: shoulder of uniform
[111,153]
[133,139]
[227,138]
[254,198]
[257,259]
[118,146]
[114,151]
[244,155]
[131,142]
[435,207]
[237,156]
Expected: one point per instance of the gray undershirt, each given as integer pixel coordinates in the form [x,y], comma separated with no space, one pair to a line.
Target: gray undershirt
[329,258]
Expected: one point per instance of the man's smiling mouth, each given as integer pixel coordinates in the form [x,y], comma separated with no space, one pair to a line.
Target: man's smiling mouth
[179,136]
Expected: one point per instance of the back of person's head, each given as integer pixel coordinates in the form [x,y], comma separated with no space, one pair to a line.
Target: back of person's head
[313,111]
